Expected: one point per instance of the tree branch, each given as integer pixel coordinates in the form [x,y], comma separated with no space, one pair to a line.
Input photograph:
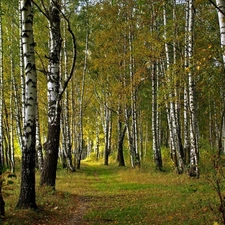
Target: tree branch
[218,8]
[45,13]
[72,69]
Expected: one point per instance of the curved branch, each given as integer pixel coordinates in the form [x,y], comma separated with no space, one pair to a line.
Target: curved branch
[72,69]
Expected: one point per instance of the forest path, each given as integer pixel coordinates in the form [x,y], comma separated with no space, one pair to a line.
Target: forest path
[78,215]
[86,195]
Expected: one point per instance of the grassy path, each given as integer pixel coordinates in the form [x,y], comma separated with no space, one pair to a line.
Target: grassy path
[111,195]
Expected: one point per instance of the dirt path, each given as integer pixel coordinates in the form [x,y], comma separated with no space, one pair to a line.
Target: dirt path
[78,216]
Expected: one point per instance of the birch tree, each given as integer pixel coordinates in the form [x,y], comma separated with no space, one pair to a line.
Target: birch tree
[171,83]
[51,146]
[81,89]
[221,18]
[27,197]
[55,89]
[2,203]
[155,125]
[66,125]
[193,131]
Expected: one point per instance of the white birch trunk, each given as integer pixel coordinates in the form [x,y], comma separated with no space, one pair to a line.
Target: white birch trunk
[66,142]
[48,176]
[81,98]
[11,125]
[27,197]
[194,171]
[39,152]
[172,104]
[155,129]
[221,18]
[22,77]
[133,96]
[1,97]
[2,203]
[97,137]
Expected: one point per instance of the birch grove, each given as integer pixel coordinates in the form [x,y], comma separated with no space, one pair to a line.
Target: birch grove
[147,77]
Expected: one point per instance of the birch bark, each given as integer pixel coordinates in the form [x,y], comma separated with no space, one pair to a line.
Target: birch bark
[66,125]
[27,198]
[81,97]
[2,203]
[51,146]
[193,131]
[155,129]
[171,100]
[221,18]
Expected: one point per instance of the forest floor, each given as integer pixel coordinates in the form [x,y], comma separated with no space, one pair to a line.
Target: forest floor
[98,194]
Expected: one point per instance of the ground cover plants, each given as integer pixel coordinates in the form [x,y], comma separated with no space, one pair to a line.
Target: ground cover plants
[98,194]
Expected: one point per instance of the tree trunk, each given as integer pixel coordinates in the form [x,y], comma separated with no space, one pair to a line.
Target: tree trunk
[97,137]
[51,146]
[66,125]
[107,127]
[39,152]
[1,96]
[155,129]
[48,176]
[81,99]
[194,170]
[27,198]
[121,135]
[2,203]
[221,18]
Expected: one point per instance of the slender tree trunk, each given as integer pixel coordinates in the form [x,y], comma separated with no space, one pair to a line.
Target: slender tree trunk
[2,203]
[155,130]
[221,18]
[107,127]
[121,135]
[133,96]
[97,137]
[39,152]
[81,101]
[194,170]
[27,198]
[12,106]
[1,95]
[48,176]
[67,144]
[22,79]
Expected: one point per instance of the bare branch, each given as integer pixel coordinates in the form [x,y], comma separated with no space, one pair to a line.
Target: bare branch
[72,69]
[218,8]
[44,12]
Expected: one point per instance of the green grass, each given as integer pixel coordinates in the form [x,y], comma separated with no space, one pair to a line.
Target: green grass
[116,195]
